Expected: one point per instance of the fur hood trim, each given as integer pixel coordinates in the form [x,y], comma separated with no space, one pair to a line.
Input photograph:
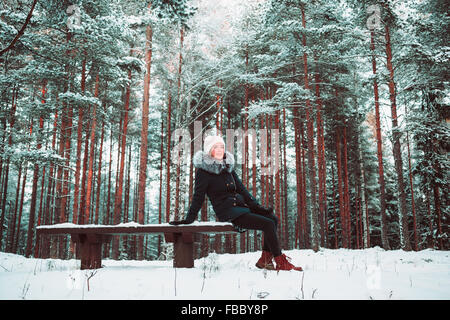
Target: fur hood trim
[204,161]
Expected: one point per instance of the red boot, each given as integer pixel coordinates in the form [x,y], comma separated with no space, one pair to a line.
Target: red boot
[265,262]
[284,264]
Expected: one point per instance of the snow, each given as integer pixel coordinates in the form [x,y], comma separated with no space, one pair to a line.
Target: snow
[329,274]
[131,224]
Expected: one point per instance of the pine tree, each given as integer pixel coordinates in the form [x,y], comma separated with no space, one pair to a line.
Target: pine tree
[85,88]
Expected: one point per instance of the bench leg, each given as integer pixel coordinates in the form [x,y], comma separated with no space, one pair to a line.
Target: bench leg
[91,255]
[90,250]
[183,248]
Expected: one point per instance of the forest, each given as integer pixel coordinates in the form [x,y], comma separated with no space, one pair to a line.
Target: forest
[103,104]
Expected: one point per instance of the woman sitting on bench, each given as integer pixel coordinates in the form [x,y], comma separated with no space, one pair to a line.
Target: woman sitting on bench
[231,201]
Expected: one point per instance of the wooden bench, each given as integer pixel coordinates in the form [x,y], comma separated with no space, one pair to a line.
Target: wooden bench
[91,237]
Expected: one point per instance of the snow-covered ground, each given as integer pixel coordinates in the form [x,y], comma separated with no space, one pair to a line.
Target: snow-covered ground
[329,274]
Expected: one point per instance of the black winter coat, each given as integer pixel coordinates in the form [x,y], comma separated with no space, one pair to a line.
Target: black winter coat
[225,190]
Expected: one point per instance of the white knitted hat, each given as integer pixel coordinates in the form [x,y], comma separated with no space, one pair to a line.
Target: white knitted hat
[210,141]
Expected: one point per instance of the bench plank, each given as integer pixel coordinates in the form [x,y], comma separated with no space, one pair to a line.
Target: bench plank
[134,228]
[91,237]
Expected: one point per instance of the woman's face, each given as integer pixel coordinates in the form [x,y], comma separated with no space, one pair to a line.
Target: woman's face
[218,150]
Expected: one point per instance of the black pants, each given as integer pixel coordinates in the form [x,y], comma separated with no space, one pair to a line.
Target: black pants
[267,223]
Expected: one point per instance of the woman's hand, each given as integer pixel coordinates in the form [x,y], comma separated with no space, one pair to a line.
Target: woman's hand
[262,210]
[176,223]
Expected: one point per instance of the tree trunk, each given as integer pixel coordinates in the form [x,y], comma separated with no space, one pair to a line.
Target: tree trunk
[47,216]
[437,208]
[334,208]
[346,189]
[340,188]
[381,182]
[87,208]
[404,234]
[144,133]
[413,205]
[285,186]
[12,120]
[321,163]
[81,209]
[310,137]
[243,235]
[19,220]
[99,173]
[305,215]
[430,219]
[39,220]
[126,210]
[12,223]
[161,152]
[32,215]
[63,215]
[179,114]
[169,119]
[360,178]
[298,174]
[65,185]
[119,190]
[254,175]
[108,200]
[275,152]
[76,191]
